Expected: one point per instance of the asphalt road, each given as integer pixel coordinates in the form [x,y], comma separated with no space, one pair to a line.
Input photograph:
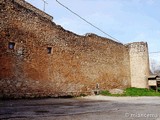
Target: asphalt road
[87,108]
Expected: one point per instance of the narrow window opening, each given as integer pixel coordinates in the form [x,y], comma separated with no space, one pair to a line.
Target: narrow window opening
[11,45]
[49,50]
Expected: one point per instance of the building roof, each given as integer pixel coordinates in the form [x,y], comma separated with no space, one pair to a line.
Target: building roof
[153,76]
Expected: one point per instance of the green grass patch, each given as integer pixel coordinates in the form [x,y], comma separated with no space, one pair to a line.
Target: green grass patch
[140,92]
[133,92]
[105,93]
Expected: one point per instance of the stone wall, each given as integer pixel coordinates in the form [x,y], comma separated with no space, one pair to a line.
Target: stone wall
[139,63]
[39,58]
[31,7]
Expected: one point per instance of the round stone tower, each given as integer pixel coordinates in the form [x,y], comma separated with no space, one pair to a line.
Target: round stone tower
[139,64]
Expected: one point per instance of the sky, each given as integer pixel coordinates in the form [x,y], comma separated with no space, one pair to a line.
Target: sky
[126,20]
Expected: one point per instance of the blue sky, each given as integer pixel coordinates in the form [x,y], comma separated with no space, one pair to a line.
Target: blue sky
[126,20]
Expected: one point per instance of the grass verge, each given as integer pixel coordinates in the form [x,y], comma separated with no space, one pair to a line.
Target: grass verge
[133,92]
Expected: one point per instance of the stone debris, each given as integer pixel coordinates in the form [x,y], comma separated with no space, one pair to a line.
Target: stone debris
[116,91]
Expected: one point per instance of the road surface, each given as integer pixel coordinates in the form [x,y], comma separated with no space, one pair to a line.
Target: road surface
[85,108]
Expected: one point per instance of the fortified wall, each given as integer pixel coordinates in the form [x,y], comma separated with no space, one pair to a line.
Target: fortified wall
[139,64]
[32,8]
[39,58]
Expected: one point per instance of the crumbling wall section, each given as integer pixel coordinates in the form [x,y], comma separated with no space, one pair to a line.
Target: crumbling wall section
[31,7]
[39,58]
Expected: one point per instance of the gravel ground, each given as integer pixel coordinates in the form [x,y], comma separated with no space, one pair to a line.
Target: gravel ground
[136,100]
[84,108]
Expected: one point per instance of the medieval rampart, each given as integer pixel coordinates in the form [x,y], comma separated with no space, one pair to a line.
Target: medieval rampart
[139,64]
[34,9]
[39,58]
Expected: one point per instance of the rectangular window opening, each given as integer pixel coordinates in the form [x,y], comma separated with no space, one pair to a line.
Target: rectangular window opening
[11,45]
[49,50]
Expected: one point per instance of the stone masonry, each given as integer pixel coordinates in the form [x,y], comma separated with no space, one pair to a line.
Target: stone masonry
[139,64]
[39,58]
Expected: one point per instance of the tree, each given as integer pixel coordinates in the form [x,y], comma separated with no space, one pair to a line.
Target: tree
[155,66]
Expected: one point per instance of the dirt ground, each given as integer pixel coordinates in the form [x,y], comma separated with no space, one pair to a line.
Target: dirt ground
[84,108]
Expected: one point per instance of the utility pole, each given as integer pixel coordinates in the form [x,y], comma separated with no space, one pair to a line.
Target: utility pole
[44,5]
